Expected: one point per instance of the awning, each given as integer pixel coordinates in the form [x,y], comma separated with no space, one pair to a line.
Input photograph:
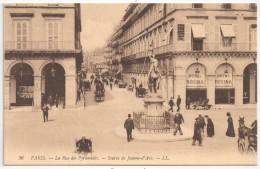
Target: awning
[227,31]
[198,31]
[118,72]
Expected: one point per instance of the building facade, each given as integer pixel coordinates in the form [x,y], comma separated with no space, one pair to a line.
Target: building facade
[42,53]
[204,50]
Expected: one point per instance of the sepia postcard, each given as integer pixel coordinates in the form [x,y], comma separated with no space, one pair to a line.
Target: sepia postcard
[130,84]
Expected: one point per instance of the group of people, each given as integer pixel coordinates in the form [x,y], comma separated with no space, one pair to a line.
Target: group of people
[171,103]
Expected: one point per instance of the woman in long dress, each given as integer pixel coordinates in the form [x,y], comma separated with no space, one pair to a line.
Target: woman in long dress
[230,130]
[210,127]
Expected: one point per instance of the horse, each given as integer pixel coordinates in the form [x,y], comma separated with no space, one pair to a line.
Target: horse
[242,129]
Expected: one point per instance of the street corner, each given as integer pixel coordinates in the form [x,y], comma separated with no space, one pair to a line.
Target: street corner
[155,137]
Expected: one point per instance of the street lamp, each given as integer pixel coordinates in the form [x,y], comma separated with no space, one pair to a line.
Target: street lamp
[52,68]
[226,69]
[197,71]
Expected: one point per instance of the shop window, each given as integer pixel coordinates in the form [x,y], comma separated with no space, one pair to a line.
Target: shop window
[253,7]
[226,6]
[197,5]
[225,96]
[181,29]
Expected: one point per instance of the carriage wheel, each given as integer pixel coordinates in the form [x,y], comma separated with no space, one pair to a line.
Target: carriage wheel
[251,151]
[241,148]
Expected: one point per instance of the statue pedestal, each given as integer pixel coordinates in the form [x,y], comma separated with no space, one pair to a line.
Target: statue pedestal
[154,119]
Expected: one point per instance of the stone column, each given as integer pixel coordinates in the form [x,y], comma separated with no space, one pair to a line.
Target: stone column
[180,88]
[7,92]
[170,86]
[37,93]
[163,89]
[238,90]
[252,91]
[211,89]
[70,91]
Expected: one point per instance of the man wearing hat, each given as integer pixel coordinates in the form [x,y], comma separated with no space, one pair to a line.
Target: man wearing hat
[129,125]
[171,104]
[210,126]
[178,120]
[197,133]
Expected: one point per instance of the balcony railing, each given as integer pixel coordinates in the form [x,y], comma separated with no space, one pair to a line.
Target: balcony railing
[199,47]
[42,45]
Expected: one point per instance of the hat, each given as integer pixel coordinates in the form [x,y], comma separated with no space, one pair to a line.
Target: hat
[129,115]
[196,118]
[228,114]
[206,116]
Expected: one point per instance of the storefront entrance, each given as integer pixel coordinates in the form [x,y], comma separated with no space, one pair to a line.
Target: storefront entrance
[53,83]
[196,94]
[250,84]
[21,85]
[224,85]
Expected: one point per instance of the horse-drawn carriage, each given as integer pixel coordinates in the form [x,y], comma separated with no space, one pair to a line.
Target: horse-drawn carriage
[99,92]
[140,92]
[201,105]
[247,138]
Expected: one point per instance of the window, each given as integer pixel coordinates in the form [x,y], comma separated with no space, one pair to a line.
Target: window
[226,6]
[197,5]
[181,32]
[21,34]
[53,35]
[171,37]
[227,33]
[253,37]
[253,7]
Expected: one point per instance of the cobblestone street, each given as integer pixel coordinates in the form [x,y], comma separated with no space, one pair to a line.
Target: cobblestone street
[25,134]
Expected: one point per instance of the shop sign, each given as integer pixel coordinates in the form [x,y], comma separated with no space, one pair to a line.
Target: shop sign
[194,80]
[224,80]
[25,92]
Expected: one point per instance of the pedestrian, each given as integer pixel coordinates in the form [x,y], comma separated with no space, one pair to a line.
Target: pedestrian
[188,103]
[129,126]
[230,130]
[45,110]
[171,104]
[178,102]
[111,85]
[78,94]
[210,126]
[197,133]
[178,120]
[201,123]
[56,99]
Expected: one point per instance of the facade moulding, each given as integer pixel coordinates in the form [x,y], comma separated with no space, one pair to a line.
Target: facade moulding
[28,15]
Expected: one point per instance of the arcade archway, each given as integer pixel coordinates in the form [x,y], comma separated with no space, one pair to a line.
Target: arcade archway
[21,85]
[53,83]
[250,84]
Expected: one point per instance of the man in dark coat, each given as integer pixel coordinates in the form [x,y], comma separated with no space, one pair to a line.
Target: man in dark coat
[178,120]
[178,102]
[129,126]
[84,145]
[230,130]
[45,110]
[210,126]
[201,123]
[188,103]
[171,104]
[197,133]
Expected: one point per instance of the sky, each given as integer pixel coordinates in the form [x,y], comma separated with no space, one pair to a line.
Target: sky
[98,22]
